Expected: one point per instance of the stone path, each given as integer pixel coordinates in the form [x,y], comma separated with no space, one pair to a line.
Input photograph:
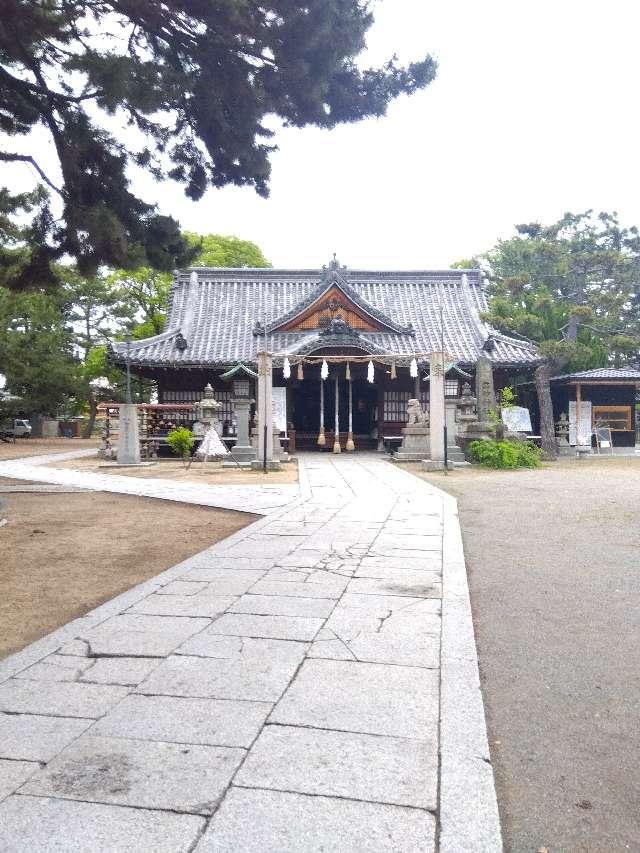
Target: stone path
[307,684]
[259,499]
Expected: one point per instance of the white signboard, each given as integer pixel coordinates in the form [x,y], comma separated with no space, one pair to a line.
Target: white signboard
[279,404]
[517,419]
[585,430]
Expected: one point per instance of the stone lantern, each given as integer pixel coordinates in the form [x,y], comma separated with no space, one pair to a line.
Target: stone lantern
[207,411]
[242,453]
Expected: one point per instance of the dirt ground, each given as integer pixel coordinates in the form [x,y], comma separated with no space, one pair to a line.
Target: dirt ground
[36,446]
[63,554]
[211,474]
[553,557]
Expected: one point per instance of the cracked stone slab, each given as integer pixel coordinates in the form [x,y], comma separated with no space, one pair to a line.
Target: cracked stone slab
[13,774]
[139,635]
[216,561]
[182,588]
[202,604]
[267,627]
[256,670]
[264,546]
[283,605]
[331,586]
[398,554]
[60,699]
[212,722]
[321,825]
[142,774]
[382,605]
[303,558]
[343,764]
[36,738]
[410,541]
[37,824]
[405,584]
[56,668]
[387,631]
[126,671]
[427,561]
[224,581]
[372,698]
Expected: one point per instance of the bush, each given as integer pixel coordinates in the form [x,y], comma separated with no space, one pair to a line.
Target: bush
[181,441]
[505,454]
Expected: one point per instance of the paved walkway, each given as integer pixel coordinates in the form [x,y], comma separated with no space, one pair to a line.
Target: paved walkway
[307,684]
[259,499]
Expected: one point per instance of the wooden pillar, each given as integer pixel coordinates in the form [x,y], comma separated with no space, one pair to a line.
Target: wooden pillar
[350,446]
[336,438]
[380,385]
[321,439]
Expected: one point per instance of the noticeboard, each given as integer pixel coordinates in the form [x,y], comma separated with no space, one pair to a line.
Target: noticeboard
[516,419]
[604,440]
[279,407]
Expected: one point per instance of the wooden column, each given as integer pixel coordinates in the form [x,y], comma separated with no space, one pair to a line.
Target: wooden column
[321,439]
[350,446]
[336,438]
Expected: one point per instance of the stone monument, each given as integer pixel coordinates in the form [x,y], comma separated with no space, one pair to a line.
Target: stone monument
[266,432]
[128,435]
[242,452]
[415,436]
[483,426]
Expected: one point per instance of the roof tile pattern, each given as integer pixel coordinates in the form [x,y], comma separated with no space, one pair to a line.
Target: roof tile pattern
[216,311]
[599,373]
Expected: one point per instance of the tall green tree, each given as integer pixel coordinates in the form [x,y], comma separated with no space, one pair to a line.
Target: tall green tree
[572,288]
[37,352]
[214,250]
[197,80]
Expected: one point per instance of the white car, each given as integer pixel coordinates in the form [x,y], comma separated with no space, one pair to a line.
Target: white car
[18,428]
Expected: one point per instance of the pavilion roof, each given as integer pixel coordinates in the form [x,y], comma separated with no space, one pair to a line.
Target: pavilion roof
[215,311]
[601,374]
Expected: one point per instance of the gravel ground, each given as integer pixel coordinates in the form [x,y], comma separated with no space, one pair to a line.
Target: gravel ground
[554,568]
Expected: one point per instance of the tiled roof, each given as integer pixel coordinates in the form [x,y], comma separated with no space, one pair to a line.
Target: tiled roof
[216,309]
[603,373]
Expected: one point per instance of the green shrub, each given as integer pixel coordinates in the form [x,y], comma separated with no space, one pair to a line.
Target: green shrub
[505,454]
[181,441]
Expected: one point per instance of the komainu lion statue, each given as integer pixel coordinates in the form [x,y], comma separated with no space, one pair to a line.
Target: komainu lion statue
[416,415]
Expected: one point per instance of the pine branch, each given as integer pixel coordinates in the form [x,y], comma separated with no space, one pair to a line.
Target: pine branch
[9,157]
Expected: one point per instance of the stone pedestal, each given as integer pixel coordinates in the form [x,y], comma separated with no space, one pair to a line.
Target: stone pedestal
[243,452]
[415,445]
[128,435]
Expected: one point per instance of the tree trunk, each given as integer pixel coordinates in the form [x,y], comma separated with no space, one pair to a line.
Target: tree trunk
[542,377]
[93,412]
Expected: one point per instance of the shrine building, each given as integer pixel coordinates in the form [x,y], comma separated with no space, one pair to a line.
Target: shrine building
[350,347]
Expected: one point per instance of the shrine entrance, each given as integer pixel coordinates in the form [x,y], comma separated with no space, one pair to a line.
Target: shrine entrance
[306,399]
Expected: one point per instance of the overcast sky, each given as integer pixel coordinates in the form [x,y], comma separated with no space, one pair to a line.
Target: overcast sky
[533,112]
